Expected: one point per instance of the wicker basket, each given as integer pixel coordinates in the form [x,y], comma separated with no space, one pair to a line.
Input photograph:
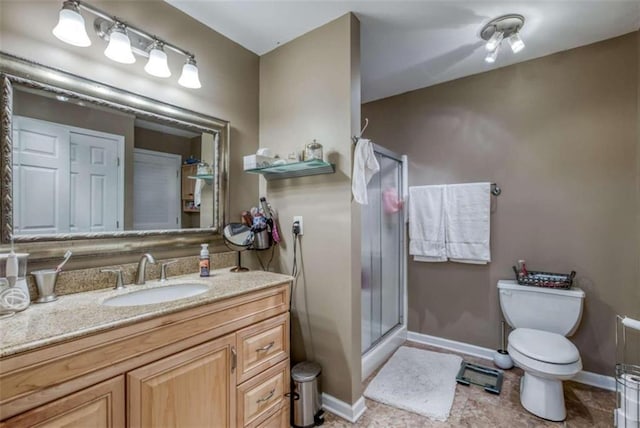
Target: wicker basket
[545,279]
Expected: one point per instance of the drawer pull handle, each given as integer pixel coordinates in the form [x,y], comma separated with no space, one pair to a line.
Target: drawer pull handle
[266,347]
[266,397]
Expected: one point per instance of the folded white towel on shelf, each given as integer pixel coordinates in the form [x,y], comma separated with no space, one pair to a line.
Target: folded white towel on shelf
[467,218]
[197,192]
[427,224]
[365,165]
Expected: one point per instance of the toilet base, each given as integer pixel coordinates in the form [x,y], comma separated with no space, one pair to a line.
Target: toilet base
[543,397]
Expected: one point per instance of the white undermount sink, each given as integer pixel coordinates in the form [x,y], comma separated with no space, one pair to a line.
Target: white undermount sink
[158,294]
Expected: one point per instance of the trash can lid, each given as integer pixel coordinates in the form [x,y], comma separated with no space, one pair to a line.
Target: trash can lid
[305,371]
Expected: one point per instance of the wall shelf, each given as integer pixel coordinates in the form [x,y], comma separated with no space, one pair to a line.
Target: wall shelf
[294,170]
[205,177]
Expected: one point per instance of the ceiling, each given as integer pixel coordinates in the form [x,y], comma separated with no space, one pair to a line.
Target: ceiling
[406,45]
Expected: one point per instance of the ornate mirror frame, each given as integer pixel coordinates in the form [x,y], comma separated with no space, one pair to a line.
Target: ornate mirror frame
[19,71]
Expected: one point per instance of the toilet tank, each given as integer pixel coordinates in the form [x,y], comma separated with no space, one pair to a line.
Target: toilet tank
[541,308]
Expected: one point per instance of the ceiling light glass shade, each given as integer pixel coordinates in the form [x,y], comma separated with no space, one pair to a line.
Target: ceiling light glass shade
[119,47]
[494,41]
[516,43]
[157,64]
[189,77]
[492,56]
[70,28]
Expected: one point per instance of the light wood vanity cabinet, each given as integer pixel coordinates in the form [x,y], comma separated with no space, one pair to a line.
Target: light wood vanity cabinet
[224,364]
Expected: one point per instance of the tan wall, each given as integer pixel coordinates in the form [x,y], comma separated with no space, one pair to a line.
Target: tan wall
[228,72]
[559,134]
[307,92]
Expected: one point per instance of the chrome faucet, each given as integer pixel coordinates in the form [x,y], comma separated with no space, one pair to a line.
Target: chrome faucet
[142,267]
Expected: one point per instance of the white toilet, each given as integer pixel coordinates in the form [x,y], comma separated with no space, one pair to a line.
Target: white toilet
[542,317]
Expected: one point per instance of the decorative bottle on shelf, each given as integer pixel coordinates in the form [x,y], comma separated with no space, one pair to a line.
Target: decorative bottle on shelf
[204,260]
[313,151]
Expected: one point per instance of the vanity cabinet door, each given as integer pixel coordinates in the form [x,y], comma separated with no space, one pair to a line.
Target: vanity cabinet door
[99,406]
[194,388]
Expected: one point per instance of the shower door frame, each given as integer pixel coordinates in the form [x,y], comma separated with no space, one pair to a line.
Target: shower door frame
[383,347]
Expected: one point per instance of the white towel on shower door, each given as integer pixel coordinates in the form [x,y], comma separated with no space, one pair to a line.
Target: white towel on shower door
[365,165]
[468,219]
[426,224]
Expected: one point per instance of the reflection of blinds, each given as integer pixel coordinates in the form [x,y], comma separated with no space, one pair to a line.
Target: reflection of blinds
[156,198]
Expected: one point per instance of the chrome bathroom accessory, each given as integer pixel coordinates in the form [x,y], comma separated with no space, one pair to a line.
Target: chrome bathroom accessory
[46,284]
[142,267]
[627,412]
[163,269]
[119,279]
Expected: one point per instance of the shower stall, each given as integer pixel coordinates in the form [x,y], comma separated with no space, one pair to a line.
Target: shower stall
[383,261]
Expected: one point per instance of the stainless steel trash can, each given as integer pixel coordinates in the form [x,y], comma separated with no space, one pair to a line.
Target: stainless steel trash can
[306,404]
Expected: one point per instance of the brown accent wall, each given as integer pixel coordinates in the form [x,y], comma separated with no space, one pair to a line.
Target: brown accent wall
[310,89]
[228,72]
[559,134]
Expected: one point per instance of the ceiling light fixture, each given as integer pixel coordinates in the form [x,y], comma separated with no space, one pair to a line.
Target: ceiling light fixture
[497,30]
[124,40]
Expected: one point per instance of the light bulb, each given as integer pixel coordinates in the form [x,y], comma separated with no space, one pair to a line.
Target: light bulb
[492,56]
[494,41]
[189,77]
[157,64]
[516,43]
[119,47]
[70,28]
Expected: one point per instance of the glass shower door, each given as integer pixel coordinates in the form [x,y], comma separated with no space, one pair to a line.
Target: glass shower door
[382,251]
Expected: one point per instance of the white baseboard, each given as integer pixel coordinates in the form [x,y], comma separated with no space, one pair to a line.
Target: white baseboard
[451,345]
[587,378]
[346,411]
[383,350]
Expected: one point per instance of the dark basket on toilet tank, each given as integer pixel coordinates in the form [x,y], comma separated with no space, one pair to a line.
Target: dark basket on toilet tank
[546,279]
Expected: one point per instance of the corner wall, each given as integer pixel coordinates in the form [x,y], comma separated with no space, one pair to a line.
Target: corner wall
[559,134]
[310,89]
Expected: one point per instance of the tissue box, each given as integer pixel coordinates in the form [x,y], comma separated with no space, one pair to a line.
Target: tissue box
[257,161]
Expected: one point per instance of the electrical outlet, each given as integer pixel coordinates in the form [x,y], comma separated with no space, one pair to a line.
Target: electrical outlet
[298,218]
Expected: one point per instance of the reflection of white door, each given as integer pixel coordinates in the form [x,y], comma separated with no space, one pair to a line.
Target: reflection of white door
[156,190]
[94,184]
[67,179]
[41,177]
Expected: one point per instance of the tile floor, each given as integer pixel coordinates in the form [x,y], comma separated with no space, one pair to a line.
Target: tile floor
[472,407]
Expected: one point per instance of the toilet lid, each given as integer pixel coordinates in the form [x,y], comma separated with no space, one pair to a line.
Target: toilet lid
[544,346]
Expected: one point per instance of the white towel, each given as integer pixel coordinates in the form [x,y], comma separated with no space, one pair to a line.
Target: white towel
[197,192]
[467,219]
[365,165]
[426,224]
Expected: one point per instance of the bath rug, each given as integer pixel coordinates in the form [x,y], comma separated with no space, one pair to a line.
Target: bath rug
[417,380]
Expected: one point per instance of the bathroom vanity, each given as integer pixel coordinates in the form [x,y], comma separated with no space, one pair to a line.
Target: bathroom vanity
[217,359]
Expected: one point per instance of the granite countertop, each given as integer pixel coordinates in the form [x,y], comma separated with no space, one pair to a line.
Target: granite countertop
[81,314]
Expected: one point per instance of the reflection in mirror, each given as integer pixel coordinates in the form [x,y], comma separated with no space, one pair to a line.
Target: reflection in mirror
[238,237]
[84,168]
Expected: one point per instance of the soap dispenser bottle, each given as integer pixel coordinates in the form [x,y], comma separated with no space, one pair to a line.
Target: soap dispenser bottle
[204,260]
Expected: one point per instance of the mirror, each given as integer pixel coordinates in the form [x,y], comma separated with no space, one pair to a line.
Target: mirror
[88,160]
[238,237]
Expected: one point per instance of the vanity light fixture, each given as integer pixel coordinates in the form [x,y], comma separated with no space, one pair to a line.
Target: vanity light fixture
[497,30]
[157,64]
[124,40]
[70,28]
[119,47]
[189,77]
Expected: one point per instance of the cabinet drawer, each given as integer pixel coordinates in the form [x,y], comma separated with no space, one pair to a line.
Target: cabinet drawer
[263,395]
[280,419]
[262,345]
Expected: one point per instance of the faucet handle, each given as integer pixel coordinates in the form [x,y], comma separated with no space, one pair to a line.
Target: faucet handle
[119,278]
[163,269]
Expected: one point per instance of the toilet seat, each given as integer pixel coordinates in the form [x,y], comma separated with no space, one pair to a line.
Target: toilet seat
[544,346]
